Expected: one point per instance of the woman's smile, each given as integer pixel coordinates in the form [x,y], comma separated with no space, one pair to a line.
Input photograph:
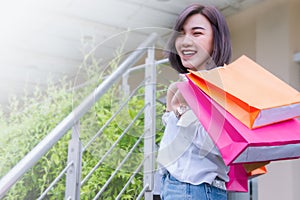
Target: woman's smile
[195,42]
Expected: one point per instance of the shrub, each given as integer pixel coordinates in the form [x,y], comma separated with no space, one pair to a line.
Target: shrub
[22,129]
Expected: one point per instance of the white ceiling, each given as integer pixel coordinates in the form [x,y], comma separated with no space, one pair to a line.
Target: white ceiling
[43,37]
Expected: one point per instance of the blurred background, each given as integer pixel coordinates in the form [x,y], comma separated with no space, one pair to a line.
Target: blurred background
[48,40]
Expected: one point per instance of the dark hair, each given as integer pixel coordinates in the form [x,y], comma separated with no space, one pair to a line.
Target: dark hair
[221,37]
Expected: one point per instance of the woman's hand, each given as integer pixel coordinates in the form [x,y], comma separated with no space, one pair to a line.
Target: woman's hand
[175,100]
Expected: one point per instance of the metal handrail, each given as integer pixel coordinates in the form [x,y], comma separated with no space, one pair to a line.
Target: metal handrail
[113,146]
[125,76]
[131,178]
[113,116]
[61,174]
[143,192]
[119,167]
[60,130]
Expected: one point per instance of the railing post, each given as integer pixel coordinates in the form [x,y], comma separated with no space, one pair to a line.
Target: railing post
[238,196]
[149,124]
[74,172]
[251,194]
[54,136]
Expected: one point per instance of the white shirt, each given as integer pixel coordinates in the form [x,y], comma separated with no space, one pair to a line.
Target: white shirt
[187,151]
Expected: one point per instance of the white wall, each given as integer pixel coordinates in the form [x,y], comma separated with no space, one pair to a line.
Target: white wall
[269,32]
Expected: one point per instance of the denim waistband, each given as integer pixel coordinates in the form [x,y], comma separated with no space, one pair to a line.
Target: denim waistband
[217,182]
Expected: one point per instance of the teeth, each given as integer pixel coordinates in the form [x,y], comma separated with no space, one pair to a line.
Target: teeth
[188,52]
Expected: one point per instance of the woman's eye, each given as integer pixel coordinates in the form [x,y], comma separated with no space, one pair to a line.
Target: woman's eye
[197,33]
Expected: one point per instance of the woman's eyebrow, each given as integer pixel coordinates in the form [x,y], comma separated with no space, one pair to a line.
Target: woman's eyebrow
[198,27]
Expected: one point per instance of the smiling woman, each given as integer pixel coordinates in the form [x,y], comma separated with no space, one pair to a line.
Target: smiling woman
[191,165]
[204,23]
[195,41]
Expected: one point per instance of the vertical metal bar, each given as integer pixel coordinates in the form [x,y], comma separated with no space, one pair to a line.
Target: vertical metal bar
[74,172]
[52,138]
[150,125]
[252,193]
[238,196]
[125,85]
[254,189]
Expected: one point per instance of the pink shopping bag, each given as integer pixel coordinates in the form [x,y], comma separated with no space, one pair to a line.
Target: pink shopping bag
[238,179]
[236,142]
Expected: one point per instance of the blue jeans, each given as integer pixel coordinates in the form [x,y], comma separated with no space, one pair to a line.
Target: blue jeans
[172,189]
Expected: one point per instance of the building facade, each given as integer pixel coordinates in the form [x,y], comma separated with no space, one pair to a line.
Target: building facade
[269,33]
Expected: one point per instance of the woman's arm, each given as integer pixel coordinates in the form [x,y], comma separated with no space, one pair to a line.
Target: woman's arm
[174,98]
[172,89]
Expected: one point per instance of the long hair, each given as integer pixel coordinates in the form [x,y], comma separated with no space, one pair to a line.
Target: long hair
[221,37]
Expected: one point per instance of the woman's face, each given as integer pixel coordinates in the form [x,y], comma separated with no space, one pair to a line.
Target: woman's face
[194,44]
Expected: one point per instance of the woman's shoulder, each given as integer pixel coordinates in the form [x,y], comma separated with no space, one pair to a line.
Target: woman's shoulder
[173,85]
[182,78]
[172,88]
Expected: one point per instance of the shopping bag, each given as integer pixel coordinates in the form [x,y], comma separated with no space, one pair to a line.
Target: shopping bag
[236,142]
[257,172]
[249,92]
[238,179]
[239,176]
[251,167]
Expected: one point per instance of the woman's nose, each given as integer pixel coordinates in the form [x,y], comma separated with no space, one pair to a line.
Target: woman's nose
[187,41]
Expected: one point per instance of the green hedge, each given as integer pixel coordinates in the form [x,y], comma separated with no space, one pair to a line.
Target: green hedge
[24,128]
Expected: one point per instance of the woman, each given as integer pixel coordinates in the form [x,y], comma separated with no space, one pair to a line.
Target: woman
[192,166]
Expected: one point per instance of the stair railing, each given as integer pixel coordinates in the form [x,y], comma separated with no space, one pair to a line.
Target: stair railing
[73,168]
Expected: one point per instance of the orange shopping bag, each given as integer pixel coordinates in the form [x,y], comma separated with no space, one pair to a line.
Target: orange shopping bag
[255,169]
[257,172]
[249,92]
[249,167]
